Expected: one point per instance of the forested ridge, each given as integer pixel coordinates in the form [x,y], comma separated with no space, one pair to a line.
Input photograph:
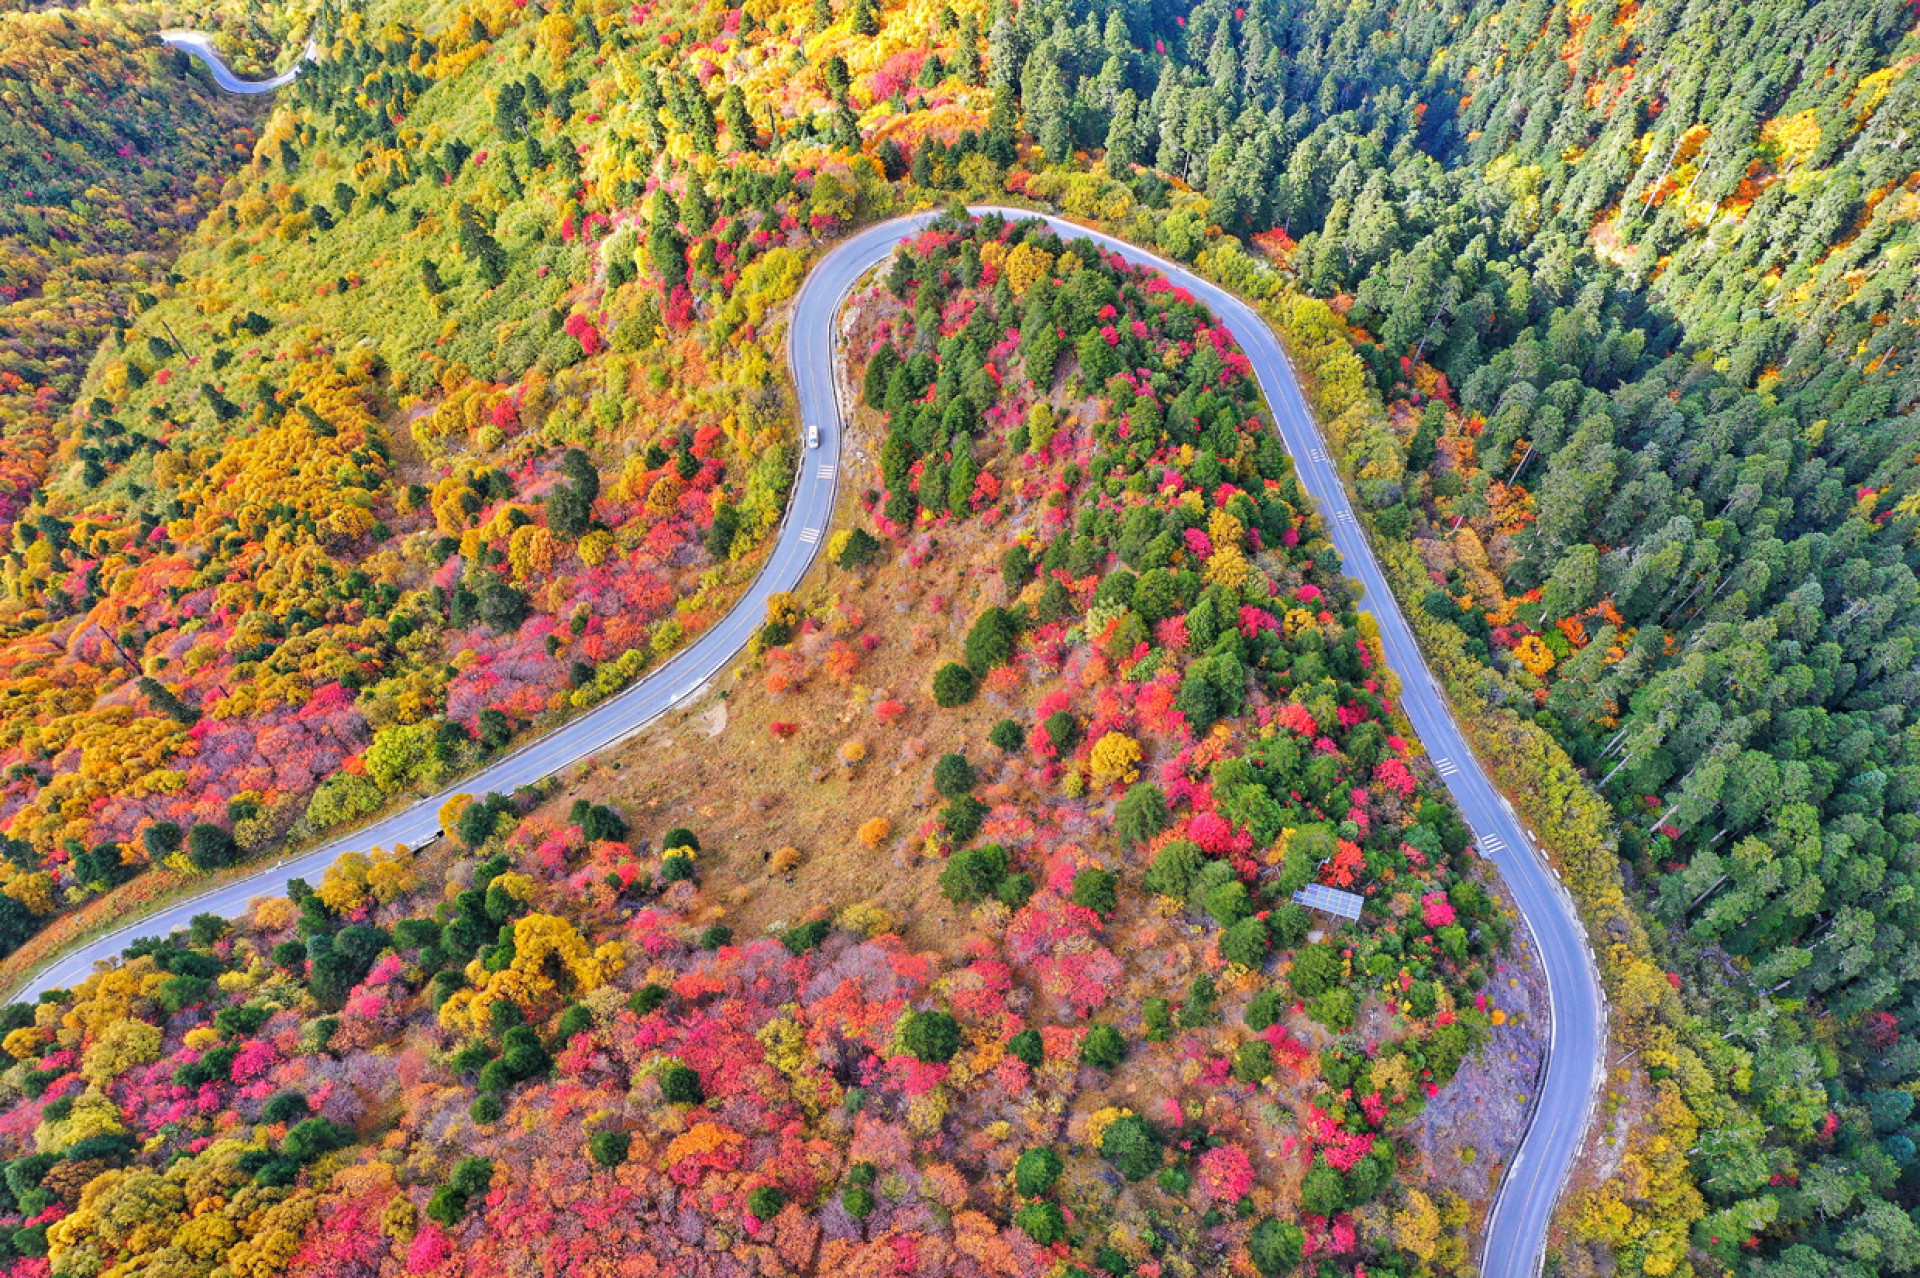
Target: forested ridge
[1661,260]
[108,155]
[1669,273]
[1634,283]
[1639,286]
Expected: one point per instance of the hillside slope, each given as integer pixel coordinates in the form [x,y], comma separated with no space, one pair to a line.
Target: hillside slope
[108,156]
[1633,286]
[634,1030]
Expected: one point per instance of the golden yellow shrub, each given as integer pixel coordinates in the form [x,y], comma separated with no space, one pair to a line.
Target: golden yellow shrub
[1115,760]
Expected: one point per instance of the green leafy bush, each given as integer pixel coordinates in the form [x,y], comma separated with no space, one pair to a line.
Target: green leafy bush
[990,641]
[1043,1222]
[1276,1247]
[932,1037]
[1322,1191]
[1027,1046]
[1096,890]
[681,1085]
[1198,1009]
[1035,1171]
[953,776]
[1245,942]
[1173,869]
[1264,1009]
[953,685]
[1015,890]
[972,874]
[1316,969]
[1132,1145]
[1103,1047]
[807,936]
[963,817]
[1141,814]
[1254,1061]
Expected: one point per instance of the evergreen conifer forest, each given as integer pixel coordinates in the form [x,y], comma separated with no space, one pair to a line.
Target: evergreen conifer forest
[361,434]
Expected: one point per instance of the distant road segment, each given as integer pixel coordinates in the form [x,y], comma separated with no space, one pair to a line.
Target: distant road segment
[200,45]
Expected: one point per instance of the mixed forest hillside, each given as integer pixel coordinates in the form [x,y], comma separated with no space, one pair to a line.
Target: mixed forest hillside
[545,1039]
[350,436]
[107,158]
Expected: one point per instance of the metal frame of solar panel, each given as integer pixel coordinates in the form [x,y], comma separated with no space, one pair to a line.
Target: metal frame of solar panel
[1317,896]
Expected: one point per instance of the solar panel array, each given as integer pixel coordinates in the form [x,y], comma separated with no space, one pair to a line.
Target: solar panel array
[1316,896]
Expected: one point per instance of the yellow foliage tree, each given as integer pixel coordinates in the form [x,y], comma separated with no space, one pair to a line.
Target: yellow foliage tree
[1115,760]
[35,891]
[532,551]
[1025,266]
[1794,138]
[270,1251]
[451,811]
[701,1138]
[113,995]
[545,946]
[874,832]
[783,611]
[1416,1227]
[786,1046]
[1533,653]
[556,40]
[391,874]
[25,1041]
[1228,567]
[597,547]
[92,1115]
[126,1210]
[1100,1120]
[1223,529]
[1040,426]
[869,918]
[310,463]
[124,1045]
[343,888]
[665,492]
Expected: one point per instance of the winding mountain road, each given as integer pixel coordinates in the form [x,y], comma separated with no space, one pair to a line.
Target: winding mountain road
[1517,1227]
[199,45]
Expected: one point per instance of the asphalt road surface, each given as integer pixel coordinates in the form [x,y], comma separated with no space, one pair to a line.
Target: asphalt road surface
[1517,1228]
[200,46]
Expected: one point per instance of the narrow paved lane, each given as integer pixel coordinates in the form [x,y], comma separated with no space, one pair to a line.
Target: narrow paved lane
[200,45]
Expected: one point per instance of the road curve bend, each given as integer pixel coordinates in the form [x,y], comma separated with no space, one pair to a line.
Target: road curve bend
[1515,1243]
[798,540]
[1517,1226]
[199,45]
